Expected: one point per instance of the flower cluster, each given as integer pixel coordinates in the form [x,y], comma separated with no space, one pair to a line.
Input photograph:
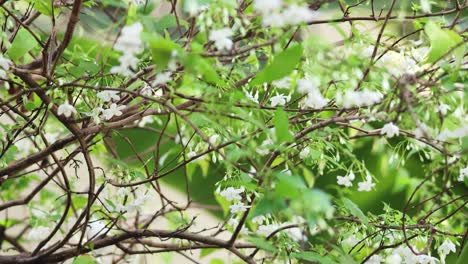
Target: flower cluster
[130,44]
[275,16]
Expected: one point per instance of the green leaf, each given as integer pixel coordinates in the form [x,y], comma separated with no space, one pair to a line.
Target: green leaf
[282,65]
[354,210]
[286,183]
[207,251]
[22,43]
[161,49]
[311,256]
[442,41]
[282,126]
[85,259]
[463,256]
[262,243]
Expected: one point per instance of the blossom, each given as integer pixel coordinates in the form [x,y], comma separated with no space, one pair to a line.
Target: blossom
[259,219]
[145,120]
[66,109]
[306,86]
[375,259]
[3,74]
[266,6]
[267,230]
[273,19]
[398,64]
[162,78]
[390,130]
[358,98]
[279,99]
[263,149]
[96,228]
[283,83]
[238,207]
[5,63]
[366,185]
[346,180]
[425,259]
[446,247]
[130,44]
[108,95]
[443,109]
[38,233]
[304,153]
[425,6]
[251,96]
[463,174]
[298,14]
[112,111]
[315,100]
[232,193]
[221,38]
[394,259]
[129,41]
[350,241]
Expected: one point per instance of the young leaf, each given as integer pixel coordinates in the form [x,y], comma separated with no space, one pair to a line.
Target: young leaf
[282,65]
[354,210]
[442,41]
[282,126]
[23,43]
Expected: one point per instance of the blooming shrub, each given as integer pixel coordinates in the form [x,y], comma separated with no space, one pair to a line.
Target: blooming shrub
[305,149]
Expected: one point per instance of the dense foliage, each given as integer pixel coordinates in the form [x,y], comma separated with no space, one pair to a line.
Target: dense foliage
[306,148]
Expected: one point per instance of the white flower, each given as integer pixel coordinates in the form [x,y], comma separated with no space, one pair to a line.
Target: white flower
[283,83]
[425,6]
[406,254]
[263,149]
[463,174]
[425,259]
[273,19]
[108,95]
[443,109]
[145,120]
[251,96]
[122,70]
[221,38]
[394,259]
[279,99]
[306,86]
[3,74]
[375,259]
[138,2]
[390,130]
[266,6]
[259,219]
[420,54]
[193,8]
[358,98]
[398,64]
[346,180]
[295,233]
[95,114]
[96,228]
[129,41]
[298,14]
[350,241]
[304,153]
[38,233]
[366,185]
[112,111]
[5,63]
[66,109]
[238,207]
[446,247]
[266,230]
[315,100]
[162,78]
[231,193]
